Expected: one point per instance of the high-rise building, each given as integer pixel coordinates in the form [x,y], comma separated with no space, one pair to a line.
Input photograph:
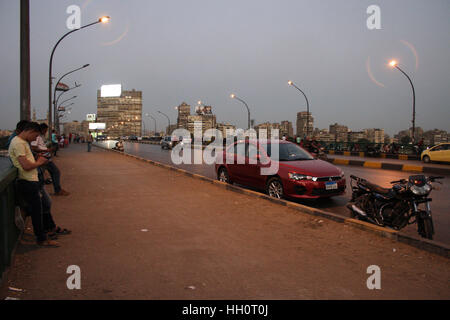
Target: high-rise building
[340,132]
[269,127]
[75,127]
[324,135]
[374,135]
[184,111]
[355,136]
[223,127]
[305,124]
[286,129]
[121,112]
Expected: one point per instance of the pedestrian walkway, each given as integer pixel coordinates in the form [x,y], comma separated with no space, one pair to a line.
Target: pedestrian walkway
[391,164]
[145,232]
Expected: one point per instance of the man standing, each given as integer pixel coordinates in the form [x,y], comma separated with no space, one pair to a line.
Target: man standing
[55,145]
[39,146]
[19,128]
[90,139]
[28,181]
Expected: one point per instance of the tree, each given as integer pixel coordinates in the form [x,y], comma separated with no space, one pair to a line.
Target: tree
[405,140]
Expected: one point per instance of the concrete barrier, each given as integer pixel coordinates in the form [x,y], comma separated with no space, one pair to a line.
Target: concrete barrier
[390,166]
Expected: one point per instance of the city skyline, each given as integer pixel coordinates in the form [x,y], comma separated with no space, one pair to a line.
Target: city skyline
[222,53]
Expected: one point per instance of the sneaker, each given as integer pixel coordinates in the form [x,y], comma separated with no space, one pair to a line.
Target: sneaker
[48,243]
[61,193]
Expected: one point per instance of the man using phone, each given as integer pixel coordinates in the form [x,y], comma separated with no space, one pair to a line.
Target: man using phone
[28,181]
[39,146]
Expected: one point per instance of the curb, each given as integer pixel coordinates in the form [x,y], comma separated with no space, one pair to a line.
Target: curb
[389,166]
[423,244]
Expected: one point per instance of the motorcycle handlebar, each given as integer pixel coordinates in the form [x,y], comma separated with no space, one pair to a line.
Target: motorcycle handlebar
[398,181]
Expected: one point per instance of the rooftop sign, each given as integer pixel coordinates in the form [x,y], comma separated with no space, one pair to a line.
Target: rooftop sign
[111,90]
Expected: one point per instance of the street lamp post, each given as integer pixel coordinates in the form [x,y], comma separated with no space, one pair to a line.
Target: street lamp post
[307,106]
[59,96]
[394,64]
[168,129]
[103,20]
[233,96]
[54,95]
[147,115]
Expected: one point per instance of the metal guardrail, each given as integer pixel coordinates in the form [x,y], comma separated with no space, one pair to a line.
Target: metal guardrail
[9,233]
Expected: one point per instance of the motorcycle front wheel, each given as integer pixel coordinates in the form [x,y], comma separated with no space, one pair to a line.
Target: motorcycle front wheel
[425,228]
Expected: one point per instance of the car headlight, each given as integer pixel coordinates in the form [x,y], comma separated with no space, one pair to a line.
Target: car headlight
[298,177]
[421,191]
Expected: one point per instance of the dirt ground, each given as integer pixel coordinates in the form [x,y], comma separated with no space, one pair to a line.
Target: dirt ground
[144,232]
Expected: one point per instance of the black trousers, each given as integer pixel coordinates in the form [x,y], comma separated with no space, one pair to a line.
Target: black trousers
[30,192]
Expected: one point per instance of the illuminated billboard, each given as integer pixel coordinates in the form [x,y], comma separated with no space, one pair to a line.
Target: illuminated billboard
[97,126]
[110,90]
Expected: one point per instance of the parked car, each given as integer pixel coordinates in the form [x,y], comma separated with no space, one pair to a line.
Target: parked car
[299,174]
[102,138]
[440,152]
[168,142]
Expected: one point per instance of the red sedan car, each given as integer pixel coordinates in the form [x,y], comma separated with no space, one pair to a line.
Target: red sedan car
[299,174]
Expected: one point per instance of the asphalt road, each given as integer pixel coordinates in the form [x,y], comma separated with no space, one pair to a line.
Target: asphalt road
[440,205]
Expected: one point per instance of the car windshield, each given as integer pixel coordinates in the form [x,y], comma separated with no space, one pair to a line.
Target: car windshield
[288,152]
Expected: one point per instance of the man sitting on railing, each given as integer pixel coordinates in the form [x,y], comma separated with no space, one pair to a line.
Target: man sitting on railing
[28,181]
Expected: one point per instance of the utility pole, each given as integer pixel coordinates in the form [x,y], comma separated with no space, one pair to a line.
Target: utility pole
[25,112]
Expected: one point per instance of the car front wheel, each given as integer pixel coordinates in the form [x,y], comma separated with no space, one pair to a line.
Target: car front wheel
[223,176]
[426,159]
[274,188]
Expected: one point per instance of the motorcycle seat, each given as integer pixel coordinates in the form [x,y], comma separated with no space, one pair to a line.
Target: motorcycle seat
[376,188]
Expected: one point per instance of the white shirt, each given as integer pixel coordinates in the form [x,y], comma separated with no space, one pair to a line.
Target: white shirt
[40,143]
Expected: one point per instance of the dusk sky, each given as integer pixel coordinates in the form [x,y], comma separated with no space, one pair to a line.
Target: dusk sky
[190,50]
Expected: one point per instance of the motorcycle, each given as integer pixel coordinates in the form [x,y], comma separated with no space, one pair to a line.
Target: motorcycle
[394,207]
[318,153]
[118,146]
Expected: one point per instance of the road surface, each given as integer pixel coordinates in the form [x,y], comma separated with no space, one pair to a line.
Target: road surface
[440,205]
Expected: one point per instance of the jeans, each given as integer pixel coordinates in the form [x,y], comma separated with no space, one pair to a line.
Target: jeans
[89,146]
[55,174]
[47,219]
[55,147]
[30,191]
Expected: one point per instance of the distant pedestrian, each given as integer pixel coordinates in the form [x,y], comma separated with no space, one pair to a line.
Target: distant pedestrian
[55,144]
[90,139]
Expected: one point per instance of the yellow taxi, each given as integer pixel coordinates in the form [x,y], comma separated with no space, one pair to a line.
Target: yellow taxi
[440,152]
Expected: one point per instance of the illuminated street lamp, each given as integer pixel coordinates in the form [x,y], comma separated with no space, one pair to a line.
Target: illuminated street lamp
[100,20]
[307,106]
[394,64]
[233,96]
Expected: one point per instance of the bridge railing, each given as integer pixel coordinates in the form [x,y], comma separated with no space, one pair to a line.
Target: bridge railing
[9,233]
